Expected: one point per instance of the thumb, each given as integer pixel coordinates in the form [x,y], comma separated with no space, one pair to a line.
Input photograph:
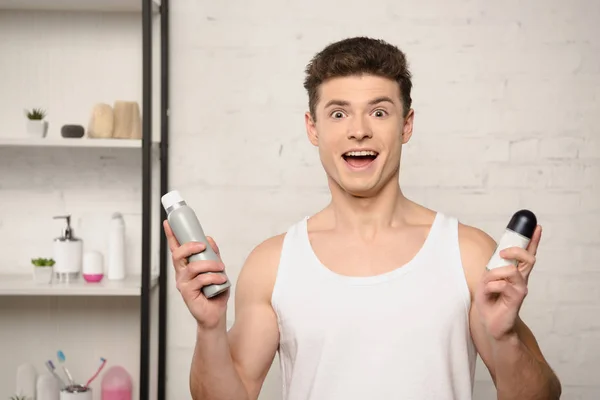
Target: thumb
[213,245]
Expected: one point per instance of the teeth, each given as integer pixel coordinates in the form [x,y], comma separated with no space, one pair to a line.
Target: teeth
[360,153]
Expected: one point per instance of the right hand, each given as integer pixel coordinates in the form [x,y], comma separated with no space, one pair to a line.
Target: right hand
[190,278]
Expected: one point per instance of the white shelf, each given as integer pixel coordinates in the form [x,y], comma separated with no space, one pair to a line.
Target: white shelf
[72,142]
[77,5]
[24,285]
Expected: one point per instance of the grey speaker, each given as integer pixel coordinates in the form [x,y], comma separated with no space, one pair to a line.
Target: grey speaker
[72,131]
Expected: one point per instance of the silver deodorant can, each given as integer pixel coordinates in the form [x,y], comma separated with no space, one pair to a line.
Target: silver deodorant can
[186,228]
[518,233]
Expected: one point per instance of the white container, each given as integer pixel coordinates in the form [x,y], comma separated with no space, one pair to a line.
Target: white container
[116,248]
[78,394]
[37,128]
[93,266]
[48,388]
[68,255]
[26,380]
[43,275]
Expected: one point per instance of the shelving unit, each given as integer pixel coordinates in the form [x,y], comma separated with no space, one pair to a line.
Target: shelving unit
[146,288]
[80,5]
[83,142]
[23,285]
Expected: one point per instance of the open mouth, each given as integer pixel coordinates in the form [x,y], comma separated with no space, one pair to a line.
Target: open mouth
[360,159]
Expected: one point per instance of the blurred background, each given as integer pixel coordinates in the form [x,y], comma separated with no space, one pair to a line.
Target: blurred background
[506,99]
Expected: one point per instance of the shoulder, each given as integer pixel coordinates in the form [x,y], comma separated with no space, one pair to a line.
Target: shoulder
[258,274]
[266,253]
[475,244]
[265,256]
[476,248]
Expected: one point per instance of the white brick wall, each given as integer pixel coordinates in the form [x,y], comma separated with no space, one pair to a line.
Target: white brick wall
[506,107]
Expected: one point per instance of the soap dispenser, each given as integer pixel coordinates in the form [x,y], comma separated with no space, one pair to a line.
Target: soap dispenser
[68,253]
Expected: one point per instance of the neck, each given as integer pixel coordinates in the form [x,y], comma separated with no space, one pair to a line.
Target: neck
[369,215]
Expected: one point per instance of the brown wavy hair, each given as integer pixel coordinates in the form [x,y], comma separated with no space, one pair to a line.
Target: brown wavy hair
[357,56]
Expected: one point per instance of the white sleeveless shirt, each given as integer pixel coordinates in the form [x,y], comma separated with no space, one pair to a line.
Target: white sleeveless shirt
[399,335]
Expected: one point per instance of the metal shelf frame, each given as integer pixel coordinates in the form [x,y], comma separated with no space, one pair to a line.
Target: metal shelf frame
[147,204]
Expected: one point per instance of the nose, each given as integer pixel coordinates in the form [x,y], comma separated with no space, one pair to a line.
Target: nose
[359,129]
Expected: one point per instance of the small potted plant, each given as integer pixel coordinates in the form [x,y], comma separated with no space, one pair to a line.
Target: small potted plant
[19,397]
[36,125]
[43,270]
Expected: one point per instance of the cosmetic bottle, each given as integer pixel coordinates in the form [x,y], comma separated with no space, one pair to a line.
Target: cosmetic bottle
[116,384]
[26,380]
[47,388]
[93,266]
[116,248]
[518,233]
[68,253]
[186,228]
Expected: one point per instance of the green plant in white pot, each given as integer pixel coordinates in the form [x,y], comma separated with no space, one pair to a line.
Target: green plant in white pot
[43,269]
[37,126]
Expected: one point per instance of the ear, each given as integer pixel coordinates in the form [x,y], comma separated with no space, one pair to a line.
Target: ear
[407,129]
[311,129]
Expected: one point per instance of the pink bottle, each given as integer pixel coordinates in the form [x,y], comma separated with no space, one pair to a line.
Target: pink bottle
[116,384]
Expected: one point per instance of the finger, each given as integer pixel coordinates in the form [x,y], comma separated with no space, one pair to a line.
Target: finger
[535,240]
[206,279]
[495,287]
[183,252]
[213,244]
[196,268]
[526,260]
[505,288]
[509,273]
[519,254]
[171,240]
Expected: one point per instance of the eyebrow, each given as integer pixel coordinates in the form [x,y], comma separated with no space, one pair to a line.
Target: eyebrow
[343,103]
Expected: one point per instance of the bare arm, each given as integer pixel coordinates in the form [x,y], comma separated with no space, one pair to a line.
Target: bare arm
[213,375]
[516,363]
[233,366]
[521,370]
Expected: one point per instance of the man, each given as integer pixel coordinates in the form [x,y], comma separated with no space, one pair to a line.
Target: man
[375,296]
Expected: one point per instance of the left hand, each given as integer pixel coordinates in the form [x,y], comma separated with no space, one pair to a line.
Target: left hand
[500,294]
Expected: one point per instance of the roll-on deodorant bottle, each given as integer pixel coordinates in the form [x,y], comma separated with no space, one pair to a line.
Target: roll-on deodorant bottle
[518,233]
[186,228]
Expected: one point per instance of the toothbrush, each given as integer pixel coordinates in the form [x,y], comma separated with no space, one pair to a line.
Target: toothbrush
[52,369]
[102,362]
[62,359]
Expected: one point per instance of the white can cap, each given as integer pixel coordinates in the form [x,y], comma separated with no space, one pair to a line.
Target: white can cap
[170,199]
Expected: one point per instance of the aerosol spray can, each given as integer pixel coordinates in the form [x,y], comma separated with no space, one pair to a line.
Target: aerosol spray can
[518,233]
[186,228]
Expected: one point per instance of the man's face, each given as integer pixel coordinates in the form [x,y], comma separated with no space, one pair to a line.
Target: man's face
[359,131]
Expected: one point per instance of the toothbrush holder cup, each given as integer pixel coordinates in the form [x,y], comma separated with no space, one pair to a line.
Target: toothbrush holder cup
[76,392]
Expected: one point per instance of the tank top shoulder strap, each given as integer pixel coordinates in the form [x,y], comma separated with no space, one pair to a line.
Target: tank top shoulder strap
[448,254]
[446,232]
[291,256]
[292,242]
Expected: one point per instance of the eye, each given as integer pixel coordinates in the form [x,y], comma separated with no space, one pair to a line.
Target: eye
[379,113]
[337,114]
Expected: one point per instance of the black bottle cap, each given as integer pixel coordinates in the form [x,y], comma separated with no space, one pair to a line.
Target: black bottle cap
[523,222]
